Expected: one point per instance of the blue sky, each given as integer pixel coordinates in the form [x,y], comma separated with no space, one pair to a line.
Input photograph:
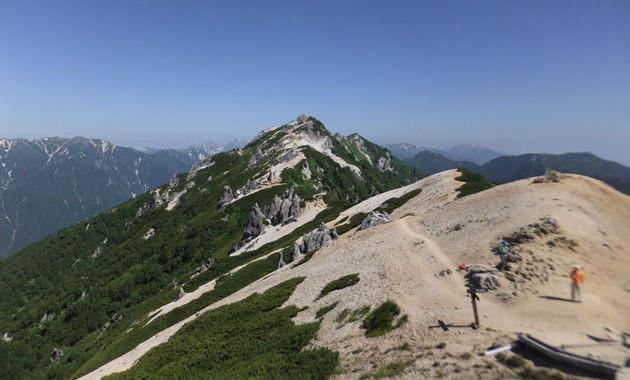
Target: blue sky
[527,76]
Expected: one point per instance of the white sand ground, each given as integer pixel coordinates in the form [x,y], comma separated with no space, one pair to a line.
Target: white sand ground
[401,261]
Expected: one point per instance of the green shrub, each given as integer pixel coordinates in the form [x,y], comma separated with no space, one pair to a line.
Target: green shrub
[340,283]
[466,356]
[321,312]
[379,321]
[393,369]
[474,183]
[540,374]
[441,345]
[513,361]
[393,203]
[342,315]
[250,338]
[348,316]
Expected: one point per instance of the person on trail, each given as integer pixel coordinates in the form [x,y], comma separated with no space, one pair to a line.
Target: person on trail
[577,278]
[503,251]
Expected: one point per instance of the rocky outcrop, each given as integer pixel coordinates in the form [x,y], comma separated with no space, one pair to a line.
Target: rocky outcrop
[374,218]
[384,164]
[285,208]
[115,318]
[312,241]
[255,224]
[97,252]
[56,354]
[484,277]
[250,186]
[48,317]
[208,264]
[306,170]
[167,197]
[227,196]
[257,158]
[149,234]
[281,262]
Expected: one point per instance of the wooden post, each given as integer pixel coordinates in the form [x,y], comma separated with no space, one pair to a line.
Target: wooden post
[474,298]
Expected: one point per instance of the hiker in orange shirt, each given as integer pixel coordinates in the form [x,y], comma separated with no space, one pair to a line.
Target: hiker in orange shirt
[576,286]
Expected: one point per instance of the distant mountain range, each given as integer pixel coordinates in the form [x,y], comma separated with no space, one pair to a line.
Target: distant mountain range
[511,168]
[50,183]
[477,154]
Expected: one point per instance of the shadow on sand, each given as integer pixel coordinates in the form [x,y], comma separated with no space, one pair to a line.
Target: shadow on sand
[556,298]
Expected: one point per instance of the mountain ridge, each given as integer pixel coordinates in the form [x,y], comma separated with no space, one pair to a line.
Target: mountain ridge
[510,168]
[132,258]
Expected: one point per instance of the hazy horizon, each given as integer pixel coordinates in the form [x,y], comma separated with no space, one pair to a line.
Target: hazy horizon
[517,77]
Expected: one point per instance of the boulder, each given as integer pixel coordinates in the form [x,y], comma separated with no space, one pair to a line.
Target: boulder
[487,281]
[313,240]
[97,251]
[181,293]
[56,354]
[227,196]
[484,277]
[255,224]
[374,218]
[6,337]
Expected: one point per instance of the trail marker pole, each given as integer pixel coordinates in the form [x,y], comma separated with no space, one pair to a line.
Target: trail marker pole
[474,298]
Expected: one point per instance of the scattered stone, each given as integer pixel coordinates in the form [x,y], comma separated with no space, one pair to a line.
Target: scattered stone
[56,354]
[374,218]
[227,196]
[545,226]
[550,176]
